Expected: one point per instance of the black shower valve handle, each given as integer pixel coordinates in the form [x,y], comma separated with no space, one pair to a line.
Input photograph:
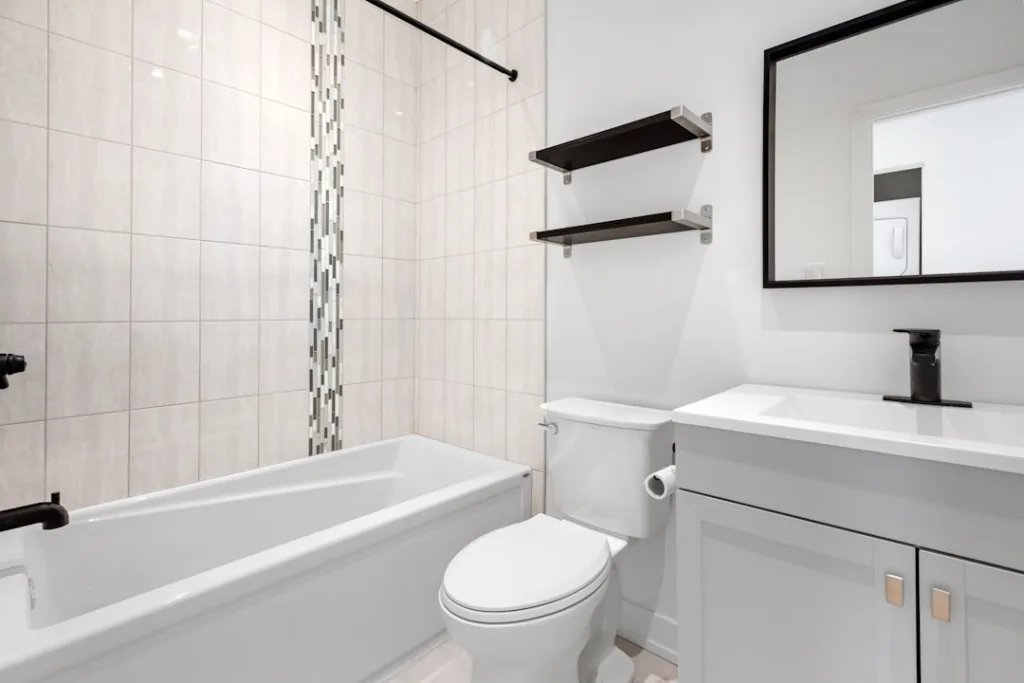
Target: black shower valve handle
[10,364]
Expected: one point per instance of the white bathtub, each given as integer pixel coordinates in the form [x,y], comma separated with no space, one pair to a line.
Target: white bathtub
[323,569]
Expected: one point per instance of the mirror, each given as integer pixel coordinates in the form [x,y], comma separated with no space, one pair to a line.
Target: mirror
[894,148]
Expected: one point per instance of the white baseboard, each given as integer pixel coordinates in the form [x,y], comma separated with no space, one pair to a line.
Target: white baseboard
[652,631]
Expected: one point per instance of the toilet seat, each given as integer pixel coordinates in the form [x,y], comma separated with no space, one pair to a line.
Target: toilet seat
[526,571]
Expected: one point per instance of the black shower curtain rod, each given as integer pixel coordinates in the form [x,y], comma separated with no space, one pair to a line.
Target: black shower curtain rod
[512,74]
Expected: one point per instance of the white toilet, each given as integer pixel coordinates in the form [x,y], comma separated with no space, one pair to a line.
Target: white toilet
[538,601]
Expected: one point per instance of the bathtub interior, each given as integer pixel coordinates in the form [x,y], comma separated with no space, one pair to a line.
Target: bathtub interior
[135,546]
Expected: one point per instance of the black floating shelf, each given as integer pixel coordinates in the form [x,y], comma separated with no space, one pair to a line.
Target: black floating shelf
[624,228]
[654,132]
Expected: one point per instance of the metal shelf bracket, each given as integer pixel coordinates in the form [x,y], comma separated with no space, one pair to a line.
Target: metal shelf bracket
[700,126]
[566,173]
[702,222]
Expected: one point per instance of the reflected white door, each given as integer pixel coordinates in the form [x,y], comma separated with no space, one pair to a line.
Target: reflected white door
[897,238]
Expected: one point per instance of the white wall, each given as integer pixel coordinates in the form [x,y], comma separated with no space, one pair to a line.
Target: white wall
[971,183]
[663,321]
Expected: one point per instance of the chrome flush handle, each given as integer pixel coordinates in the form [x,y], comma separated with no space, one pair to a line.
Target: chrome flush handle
[551,427]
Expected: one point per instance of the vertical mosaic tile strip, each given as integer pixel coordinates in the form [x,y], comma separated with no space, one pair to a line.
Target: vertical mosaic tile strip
[326,234]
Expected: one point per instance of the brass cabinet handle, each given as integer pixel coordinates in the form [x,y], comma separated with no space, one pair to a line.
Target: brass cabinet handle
[894,590]
[940,604]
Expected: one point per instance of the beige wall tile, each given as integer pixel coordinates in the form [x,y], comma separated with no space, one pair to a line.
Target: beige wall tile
[166,110]
[458,342]
[166,195]
[87,369]
[22,469]
[25,401]
[231,206]
[228,436]
[169,33]
[229,360]
[165,364]
[103,23]
[526,356]
[361,416]
[77,72]
[87,459]
[364,224]
[90,183]
[23,175]
[23,73]
[288,16]
[458,415]
[489,421]
[284,356]
[362,351]
[285,66]
[22,273]
[399,343]
[164,448]
[490,353]
[430,408]
[231,49]
[397,408]
[284,427]
[166,285]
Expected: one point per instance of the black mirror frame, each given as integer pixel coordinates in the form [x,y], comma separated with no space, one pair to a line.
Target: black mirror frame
[813,41]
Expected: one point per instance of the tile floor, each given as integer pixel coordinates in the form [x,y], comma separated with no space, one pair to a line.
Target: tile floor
[445,662]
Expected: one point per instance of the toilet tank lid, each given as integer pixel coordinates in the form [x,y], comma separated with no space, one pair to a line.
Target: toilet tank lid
[607,414]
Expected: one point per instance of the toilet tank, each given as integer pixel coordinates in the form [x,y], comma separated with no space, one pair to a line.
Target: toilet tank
[598,458]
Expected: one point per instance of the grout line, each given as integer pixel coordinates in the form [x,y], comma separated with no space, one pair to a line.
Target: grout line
[46,279]
[170,237]
[161,151]
[131,239]
[202,50]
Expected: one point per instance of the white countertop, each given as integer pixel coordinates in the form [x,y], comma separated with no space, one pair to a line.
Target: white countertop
[988,436]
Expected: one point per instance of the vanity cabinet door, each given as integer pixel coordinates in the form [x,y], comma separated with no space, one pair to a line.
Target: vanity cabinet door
[972,622]
[765,598]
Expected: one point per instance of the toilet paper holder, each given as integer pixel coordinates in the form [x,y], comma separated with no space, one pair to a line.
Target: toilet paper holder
[661,484]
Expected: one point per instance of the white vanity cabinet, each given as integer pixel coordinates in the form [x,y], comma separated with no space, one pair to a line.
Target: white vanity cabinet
[774,599]
[769,598]
[972,622]
[800,515]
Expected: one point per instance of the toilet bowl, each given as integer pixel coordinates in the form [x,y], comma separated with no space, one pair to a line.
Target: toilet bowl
[537,601]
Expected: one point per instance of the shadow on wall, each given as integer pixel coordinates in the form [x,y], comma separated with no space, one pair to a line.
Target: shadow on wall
[623,312]
[963,308]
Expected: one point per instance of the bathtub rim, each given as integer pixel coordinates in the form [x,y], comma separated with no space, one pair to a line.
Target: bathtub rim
[46,652]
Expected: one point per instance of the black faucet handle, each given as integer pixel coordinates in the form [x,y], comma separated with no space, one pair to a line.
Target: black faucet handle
[923,340]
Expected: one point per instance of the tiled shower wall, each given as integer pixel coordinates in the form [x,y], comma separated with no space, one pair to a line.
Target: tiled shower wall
[381,77]
[480,280]
[154,242]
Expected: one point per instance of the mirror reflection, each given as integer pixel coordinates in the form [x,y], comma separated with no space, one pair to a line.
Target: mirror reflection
[899,152]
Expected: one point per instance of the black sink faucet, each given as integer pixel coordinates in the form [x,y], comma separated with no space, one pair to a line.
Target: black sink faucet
[51,515]
[10,365]
[925,371]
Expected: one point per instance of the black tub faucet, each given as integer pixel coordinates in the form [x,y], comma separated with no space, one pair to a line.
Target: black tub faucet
[51,515]
[10,365]
[925,371]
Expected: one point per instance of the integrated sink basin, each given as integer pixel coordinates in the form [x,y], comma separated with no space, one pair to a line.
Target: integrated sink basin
[987,436]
